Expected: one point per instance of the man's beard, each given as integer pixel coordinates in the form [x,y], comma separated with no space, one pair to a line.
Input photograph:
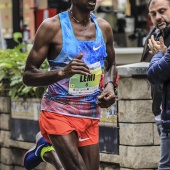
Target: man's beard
[166,30]
[164,26]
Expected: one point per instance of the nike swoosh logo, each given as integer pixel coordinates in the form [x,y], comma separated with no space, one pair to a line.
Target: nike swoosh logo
[96,48]
[83,139]
[38,149]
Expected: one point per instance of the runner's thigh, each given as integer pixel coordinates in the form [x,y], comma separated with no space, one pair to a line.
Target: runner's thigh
[90,156]
[66,147]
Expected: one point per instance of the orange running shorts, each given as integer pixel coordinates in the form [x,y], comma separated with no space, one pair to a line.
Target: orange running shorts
[58,124]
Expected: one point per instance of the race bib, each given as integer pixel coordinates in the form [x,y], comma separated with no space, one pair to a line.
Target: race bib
[86,84]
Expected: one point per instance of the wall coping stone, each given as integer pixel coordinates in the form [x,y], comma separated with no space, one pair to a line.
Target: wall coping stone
[133,69]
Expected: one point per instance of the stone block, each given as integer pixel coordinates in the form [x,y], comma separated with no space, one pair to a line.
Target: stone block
[111,158]
[134,88]
[5,167]
[5,105]
[135,111]
[136,134]
[22,145]
[109,168]
[5,138]
[146,157]
[6,156]
[5,121]
[18,168]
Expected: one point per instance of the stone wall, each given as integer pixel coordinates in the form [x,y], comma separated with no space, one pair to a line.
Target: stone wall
[138,136]
[12,151]
[139,139]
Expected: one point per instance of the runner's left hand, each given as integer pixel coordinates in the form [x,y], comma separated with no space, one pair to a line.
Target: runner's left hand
[107,97]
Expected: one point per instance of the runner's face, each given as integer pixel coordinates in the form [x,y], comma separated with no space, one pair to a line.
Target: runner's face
[85,4]
[159,11]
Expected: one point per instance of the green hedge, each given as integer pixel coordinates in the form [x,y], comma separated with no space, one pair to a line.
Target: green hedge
[12,64]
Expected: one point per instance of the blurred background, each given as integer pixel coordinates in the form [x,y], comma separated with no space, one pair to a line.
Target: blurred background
[129,19]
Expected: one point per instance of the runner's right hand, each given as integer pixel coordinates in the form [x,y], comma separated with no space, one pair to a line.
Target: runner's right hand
[76,66]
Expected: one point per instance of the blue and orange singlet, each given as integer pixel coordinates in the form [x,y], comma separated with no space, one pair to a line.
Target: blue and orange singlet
[76,96]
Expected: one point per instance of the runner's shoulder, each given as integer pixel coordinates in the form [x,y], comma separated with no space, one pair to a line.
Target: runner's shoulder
[104,26]
[103,23]
[51,25]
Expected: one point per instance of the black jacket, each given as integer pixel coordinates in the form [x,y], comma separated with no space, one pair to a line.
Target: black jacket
[156,90]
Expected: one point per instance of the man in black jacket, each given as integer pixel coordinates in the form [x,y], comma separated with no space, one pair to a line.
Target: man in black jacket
[159,11]
[161,20]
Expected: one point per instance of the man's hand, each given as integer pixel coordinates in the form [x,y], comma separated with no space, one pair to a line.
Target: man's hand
[156,46]
[76,66]
[107,97]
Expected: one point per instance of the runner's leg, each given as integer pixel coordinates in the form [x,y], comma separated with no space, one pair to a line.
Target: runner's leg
[90,156]
[52,158]
[67,150]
